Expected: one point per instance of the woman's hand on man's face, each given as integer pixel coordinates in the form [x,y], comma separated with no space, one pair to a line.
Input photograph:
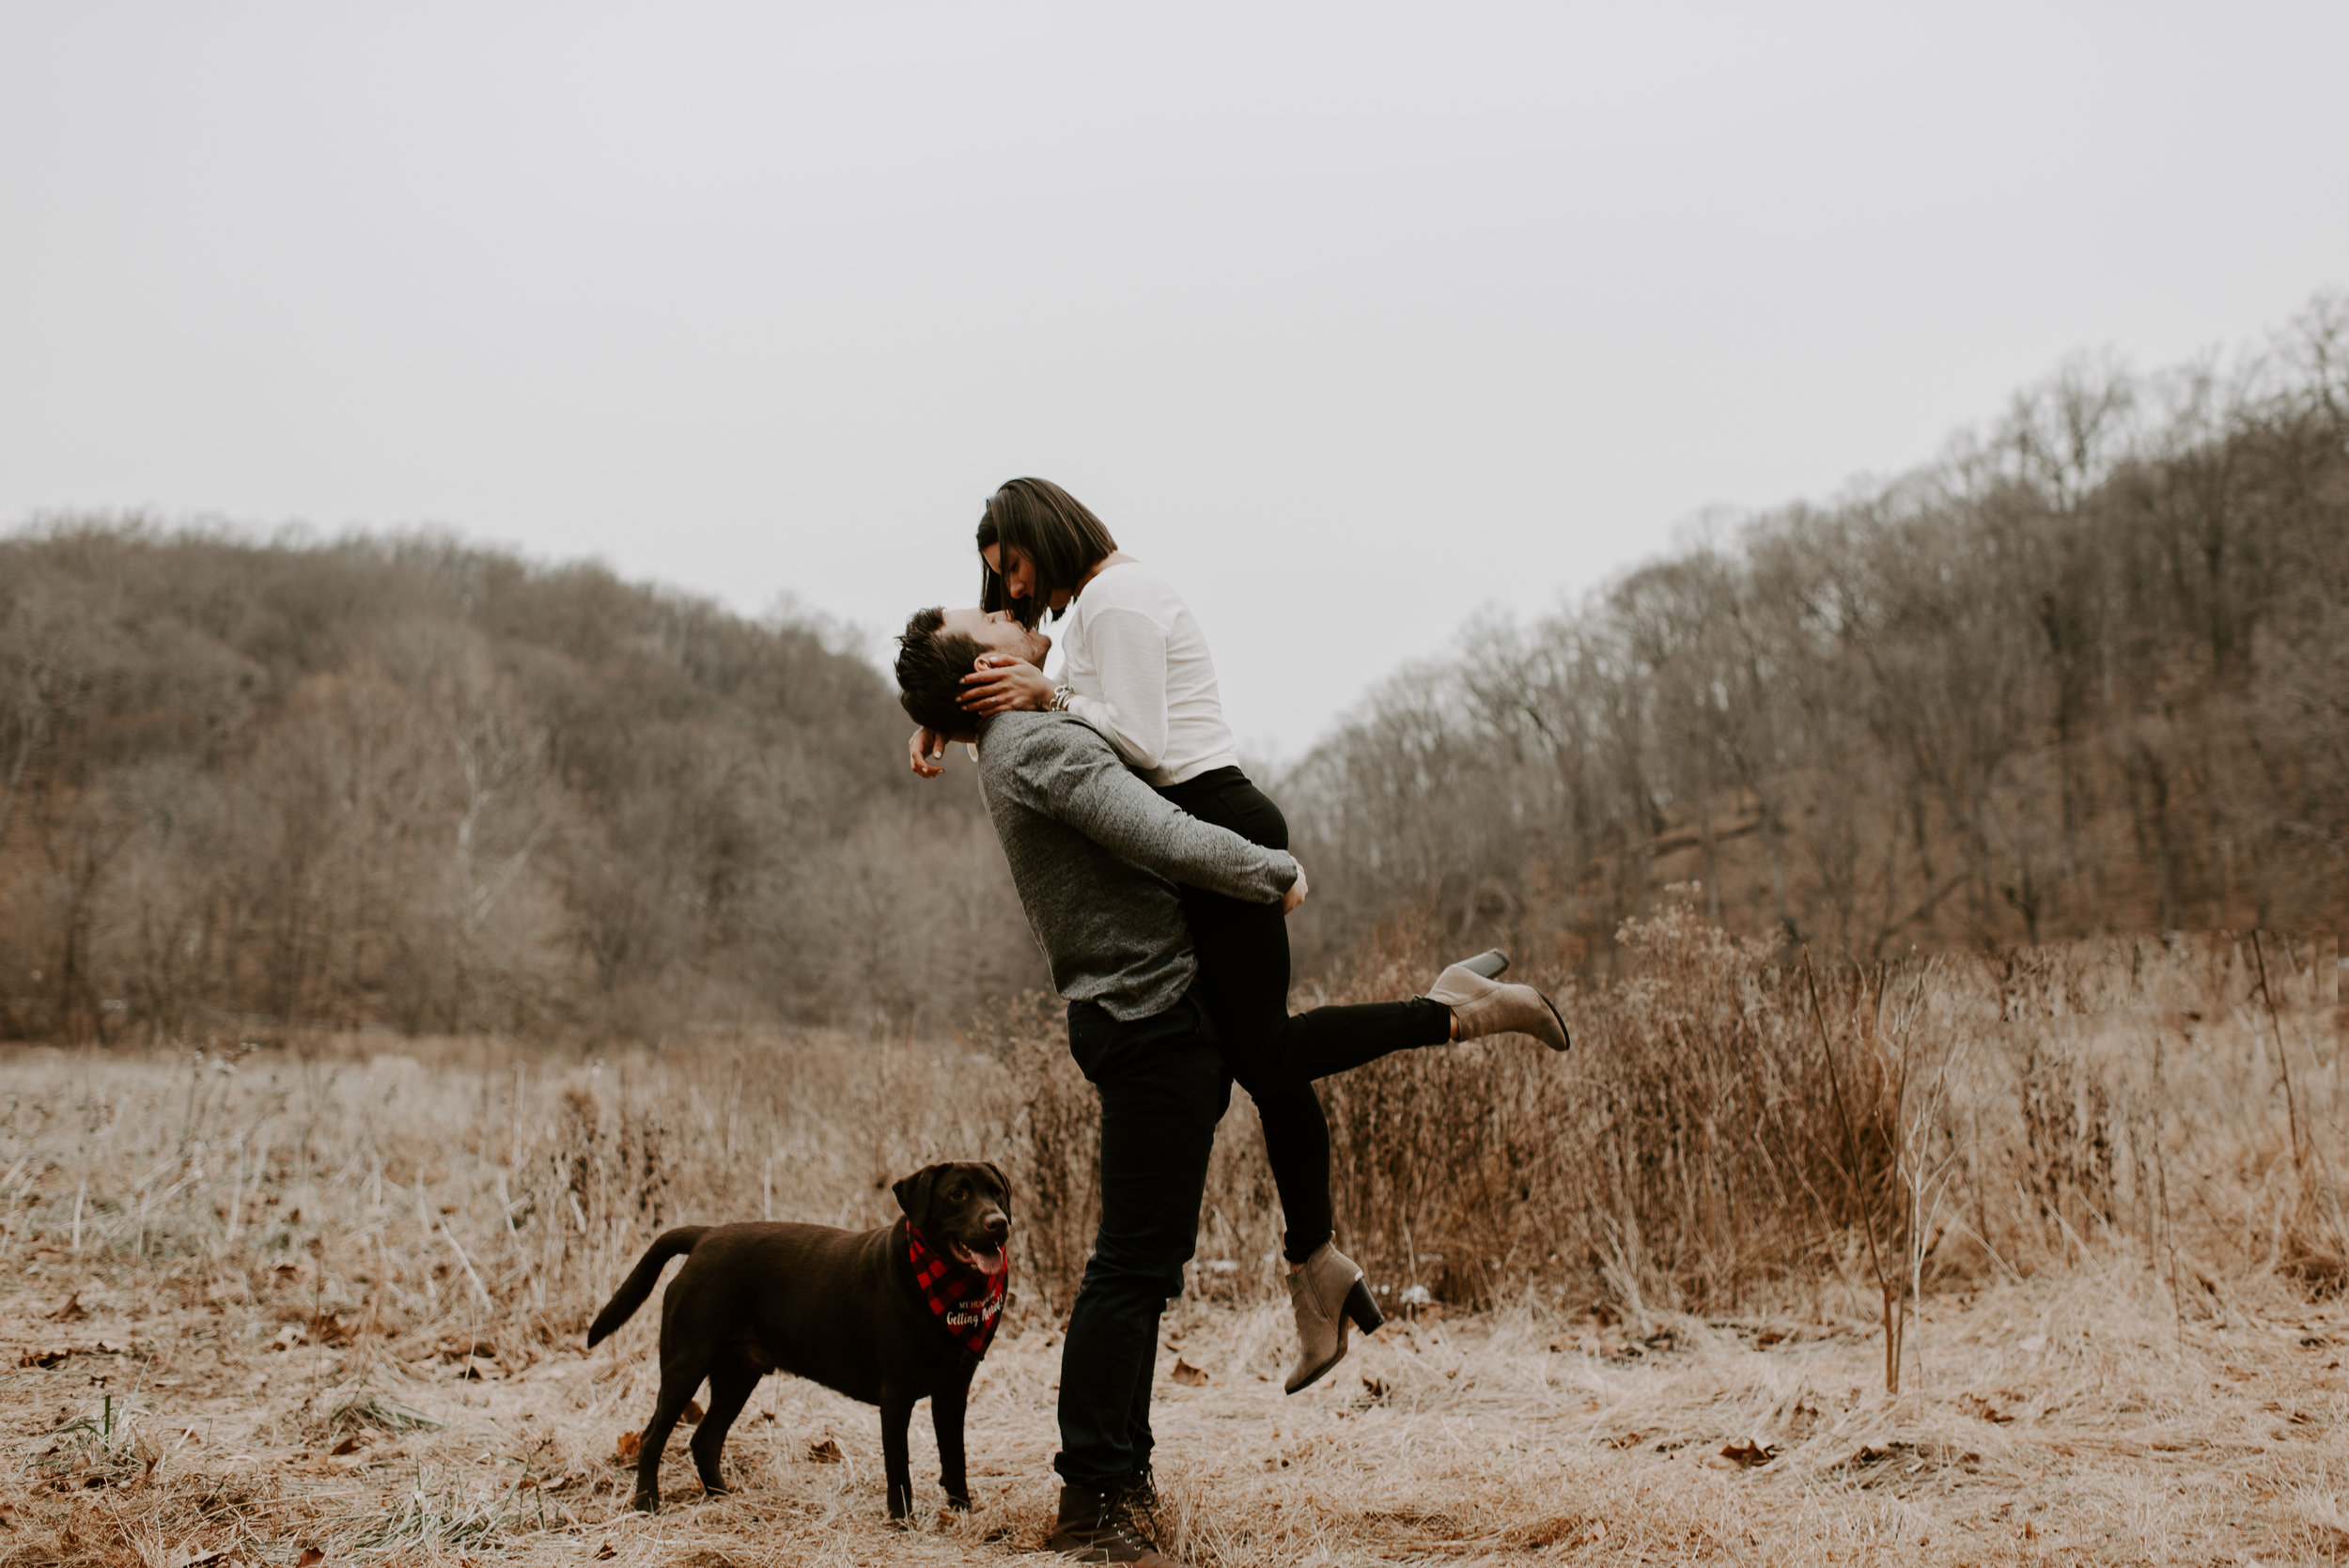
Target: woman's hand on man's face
[1000,684]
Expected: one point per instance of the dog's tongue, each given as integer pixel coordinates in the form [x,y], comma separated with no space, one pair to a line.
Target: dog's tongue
[989,1260]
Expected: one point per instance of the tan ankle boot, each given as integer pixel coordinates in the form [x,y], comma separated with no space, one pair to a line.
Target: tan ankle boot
[1325,1289]
[1481,1007]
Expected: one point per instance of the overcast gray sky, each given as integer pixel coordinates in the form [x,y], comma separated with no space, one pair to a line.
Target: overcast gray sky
[1354,319]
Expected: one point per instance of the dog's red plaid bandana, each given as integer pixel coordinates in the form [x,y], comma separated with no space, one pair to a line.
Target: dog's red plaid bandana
[967,1303]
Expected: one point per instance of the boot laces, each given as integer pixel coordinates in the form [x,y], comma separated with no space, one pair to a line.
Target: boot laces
[1129,1516]
[1114,1540]
[1115,1533]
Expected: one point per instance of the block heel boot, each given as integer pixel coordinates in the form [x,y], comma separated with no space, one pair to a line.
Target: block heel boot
[1483,1006]
[1325,1291]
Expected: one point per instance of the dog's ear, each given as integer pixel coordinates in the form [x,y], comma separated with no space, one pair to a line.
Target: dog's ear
[1003,1183]
[913,1193]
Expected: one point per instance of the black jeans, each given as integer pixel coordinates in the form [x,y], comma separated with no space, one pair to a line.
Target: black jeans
[1244,978]
[1163,1087]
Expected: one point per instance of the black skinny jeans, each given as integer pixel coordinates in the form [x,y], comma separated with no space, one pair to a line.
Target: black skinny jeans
[1244,979]
[1163,1087]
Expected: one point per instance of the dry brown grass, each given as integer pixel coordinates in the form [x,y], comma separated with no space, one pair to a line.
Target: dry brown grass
[215,1277]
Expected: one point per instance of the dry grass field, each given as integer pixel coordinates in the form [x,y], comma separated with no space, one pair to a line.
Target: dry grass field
[327,1297]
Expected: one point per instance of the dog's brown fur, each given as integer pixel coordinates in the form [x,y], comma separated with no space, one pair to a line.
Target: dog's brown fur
[839,1307]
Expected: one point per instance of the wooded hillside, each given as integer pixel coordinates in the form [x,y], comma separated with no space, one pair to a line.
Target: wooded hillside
[404,782]
[2088,673]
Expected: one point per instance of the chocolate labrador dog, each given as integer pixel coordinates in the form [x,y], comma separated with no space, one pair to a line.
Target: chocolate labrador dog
[888,1316]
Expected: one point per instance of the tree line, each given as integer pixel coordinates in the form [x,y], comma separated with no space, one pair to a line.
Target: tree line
[2088,672]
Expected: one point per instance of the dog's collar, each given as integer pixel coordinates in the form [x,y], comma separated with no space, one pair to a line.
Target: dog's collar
[966,1304]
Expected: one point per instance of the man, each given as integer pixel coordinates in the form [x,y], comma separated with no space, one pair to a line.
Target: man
[1096,854]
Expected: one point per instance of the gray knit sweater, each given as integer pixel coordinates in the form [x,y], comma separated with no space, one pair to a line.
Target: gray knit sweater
[1096,852]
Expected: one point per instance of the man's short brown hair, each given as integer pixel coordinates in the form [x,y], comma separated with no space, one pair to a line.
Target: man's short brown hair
[931,662]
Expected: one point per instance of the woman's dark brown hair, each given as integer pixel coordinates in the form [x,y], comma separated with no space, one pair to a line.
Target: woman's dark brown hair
[1054,530]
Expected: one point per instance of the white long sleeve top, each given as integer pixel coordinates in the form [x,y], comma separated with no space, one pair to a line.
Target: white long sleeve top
[1140,672]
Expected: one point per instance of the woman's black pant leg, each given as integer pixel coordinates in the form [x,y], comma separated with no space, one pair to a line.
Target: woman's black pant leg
[1243,954]
[1334,1039]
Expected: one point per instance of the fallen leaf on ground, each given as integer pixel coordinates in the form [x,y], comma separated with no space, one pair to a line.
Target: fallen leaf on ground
[1187,1374]
[311,1557]
[694,1413]
[825,1452]
[628,1445]
[70,1310]
[197,1556]
[1746,1455]
[348,1444]
[606,1552]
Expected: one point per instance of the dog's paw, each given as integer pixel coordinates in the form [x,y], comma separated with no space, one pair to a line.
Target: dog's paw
[647,1502]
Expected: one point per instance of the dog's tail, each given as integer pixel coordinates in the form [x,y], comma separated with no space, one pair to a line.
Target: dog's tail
[641,1279]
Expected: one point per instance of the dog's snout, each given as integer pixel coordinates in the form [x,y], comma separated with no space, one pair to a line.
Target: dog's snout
[998,1225]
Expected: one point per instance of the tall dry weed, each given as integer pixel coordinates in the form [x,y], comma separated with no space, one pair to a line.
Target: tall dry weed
[1685,1153]
[1998,1114]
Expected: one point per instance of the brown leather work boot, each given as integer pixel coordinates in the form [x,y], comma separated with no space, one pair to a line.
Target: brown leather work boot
[1098,1527]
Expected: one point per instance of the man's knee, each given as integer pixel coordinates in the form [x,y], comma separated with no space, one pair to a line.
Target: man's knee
[1134,1287]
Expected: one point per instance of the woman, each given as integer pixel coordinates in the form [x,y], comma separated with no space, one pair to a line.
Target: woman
[1136,668]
